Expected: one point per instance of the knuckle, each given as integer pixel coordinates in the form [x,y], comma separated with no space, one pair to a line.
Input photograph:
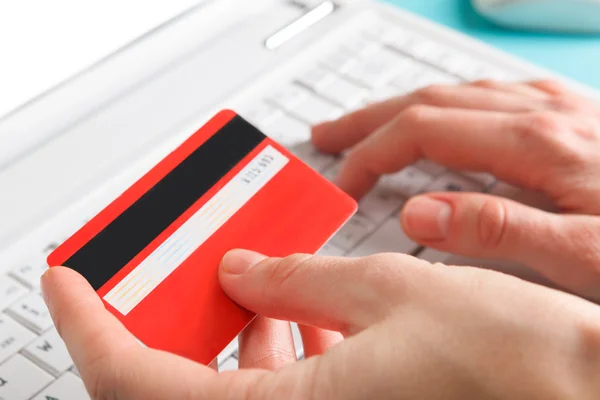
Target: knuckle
[356,157]
[415,115]
[390,272]
[551,85]
[486,83]
[286,268]
[555,133]
[431,94]
[276,358]
[566,103]
[542,125]
[492,224]
[585,242]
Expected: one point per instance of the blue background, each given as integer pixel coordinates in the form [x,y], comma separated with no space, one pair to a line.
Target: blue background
[576,56]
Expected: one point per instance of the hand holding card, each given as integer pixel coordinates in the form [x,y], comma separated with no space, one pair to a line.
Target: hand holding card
[152,255]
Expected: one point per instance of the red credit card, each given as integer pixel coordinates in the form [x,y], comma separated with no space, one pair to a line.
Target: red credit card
[152,255]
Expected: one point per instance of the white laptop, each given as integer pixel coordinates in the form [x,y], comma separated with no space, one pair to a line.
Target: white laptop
[283,65]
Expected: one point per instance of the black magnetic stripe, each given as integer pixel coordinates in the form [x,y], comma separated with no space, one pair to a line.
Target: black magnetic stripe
[111,249]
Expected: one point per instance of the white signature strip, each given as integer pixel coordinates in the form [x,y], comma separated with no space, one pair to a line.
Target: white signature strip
[144,278]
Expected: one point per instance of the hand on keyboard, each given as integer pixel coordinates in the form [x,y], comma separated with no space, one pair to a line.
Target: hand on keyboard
[414,331]
[538,136]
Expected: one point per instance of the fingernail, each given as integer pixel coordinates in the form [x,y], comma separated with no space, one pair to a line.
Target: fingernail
[427,218]
[240,261]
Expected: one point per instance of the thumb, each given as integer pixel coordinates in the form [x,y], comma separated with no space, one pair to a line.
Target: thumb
[561,247]
[340,294]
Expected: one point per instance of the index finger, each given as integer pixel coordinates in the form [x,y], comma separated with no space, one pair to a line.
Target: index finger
[336,136]
[502,144]
[88,329]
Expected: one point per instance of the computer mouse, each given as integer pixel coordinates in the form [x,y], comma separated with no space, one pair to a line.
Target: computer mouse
[574,16]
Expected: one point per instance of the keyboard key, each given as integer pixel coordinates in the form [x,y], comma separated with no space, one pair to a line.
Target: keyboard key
[288,96]
[419,48]
[30,273]
[10,291]
[288,131]
[340,60]
[298,343]
[388,238]
[451,182]
[376,70]
[434,256]
[20,379]
[261,115]
[356,229]
[32,312]
[477,71]
[484,178]
[380,203]
[316,78]
[503,189]
[67,387]
[311,156]
[408,72]
[430,77]
[50,247]
[75,371]
[457,64]
[314,110]
[330,250]
[432,168]
[332,172]
[383,93]
[229,350]
[50,352]
[387,33]
[231,364]
[13,337]
[408,182]
[343,93]
[361,45]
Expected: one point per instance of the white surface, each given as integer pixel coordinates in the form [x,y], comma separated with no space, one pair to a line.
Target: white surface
[32,312]
[314,110]
[389,237]
[23,379]
[408,182]
[378,204]
[353,232]
[67,387]
[13,337]
[451,182]
[547,15]
[50,351]
[29,273]
[45,42]
[10,291]
[231,364]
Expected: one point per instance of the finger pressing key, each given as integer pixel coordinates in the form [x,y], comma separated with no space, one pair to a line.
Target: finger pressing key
[502,144]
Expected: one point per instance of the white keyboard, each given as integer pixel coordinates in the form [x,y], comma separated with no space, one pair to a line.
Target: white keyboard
[371,63]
